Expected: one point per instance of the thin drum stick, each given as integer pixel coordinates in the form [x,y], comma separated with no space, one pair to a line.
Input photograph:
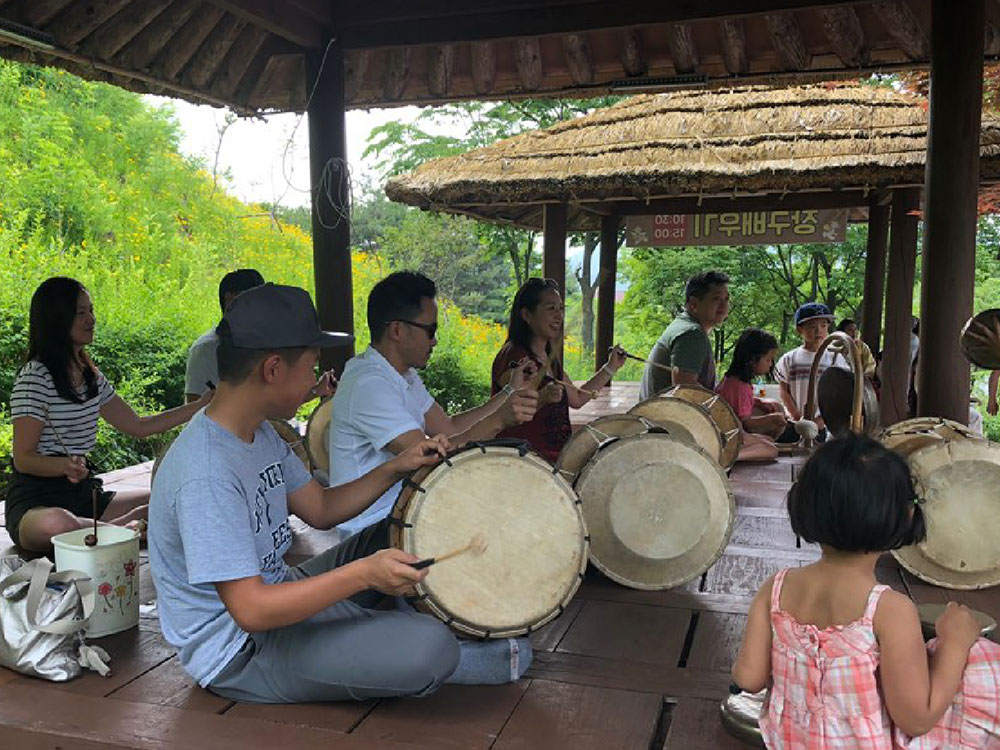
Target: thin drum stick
[649,362]
[477,544]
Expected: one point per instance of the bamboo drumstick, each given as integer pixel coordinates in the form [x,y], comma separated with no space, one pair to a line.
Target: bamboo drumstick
[91,539]
[477,545]
[649,362]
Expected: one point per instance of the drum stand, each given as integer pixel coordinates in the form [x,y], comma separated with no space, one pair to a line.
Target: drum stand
[840,343]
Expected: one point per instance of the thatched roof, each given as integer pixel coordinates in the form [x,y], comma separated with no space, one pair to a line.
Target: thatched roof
[753,140]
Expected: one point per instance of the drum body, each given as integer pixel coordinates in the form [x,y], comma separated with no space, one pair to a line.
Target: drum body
[722,414]
[585,442]
[957,481]
[911,435]
[740,717]
[536,541]
[685,421]
[658,509]
[317,440]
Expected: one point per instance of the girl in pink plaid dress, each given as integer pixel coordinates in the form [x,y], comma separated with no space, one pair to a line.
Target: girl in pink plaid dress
[842,656]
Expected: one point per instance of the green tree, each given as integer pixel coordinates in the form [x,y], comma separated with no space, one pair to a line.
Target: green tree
[402,147]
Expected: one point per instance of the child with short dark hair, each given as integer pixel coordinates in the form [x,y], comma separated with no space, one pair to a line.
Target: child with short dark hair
[842,655]
[762,422]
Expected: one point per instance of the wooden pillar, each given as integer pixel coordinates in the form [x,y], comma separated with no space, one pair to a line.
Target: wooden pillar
[874,292]
[950,206]
[899,306]
[331,224]
[554,248]
[606,290]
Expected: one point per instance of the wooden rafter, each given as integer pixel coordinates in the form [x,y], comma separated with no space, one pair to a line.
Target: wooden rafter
[201,70]
[786,36]
[576,50]
[237,60]
[107,41]
[355,67]
[140,52]
[185,43]
[435,21]
[272,47]
[733,40]
[397,70]
[843,29]
[904,28]
[275,16]
[484,66]
[36,13]
[630,53]
[79,20]
[682,48]
[528,60]
[440,63]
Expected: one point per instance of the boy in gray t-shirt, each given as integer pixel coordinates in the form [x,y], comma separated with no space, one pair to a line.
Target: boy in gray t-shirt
[245,625]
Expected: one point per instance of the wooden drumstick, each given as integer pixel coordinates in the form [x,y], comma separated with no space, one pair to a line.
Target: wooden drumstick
[649,362]
[91,539]
[477,545]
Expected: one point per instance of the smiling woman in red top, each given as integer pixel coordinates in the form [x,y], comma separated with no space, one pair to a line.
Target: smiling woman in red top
[535,328]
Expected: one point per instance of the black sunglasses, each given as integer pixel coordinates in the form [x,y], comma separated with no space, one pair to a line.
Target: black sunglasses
[429,328]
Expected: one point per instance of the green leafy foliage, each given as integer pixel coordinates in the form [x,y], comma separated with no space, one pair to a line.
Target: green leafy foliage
[92,186]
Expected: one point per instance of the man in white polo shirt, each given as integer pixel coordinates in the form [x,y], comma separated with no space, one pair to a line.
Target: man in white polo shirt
[381,406]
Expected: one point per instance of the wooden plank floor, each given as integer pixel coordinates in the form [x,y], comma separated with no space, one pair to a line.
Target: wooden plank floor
[620,668]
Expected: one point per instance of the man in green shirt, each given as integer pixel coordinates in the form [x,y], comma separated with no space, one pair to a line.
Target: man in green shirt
[685,346]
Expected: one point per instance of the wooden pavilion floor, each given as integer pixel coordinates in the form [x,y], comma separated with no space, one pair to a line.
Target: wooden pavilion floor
[619,669]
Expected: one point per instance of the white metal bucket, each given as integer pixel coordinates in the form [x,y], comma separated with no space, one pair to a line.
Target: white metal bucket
[113,566]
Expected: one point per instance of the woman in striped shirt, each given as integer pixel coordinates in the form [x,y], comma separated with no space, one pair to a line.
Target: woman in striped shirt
[55,402]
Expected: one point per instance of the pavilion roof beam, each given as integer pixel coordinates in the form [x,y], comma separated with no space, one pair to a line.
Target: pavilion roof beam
[237,61]
[397,70]
[576,50]
[209,56]
[843,29]
[484,66]
[79,20]
[273,16]
[107,41]
[904,28]
[35,13]
[438,21]
[185,43]
[272,48]
[140,52]
[786,37]
[733,41]
[440,63]
[683,52]
[633,61]
[355,67]
[528,60]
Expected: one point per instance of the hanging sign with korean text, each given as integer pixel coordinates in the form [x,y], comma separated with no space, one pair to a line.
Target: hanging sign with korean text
[801,227]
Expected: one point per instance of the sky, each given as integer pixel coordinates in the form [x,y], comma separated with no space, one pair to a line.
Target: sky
[268,159]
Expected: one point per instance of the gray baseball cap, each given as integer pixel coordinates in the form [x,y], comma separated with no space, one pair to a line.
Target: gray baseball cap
[273,316]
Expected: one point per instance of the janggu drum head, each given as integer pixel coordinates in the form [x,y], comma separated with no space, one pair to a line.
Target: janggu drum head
[911,435]
[980,340]
[536,541]
[585,442]
[722,414]
[658,509]
[957,482]
[683,420]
